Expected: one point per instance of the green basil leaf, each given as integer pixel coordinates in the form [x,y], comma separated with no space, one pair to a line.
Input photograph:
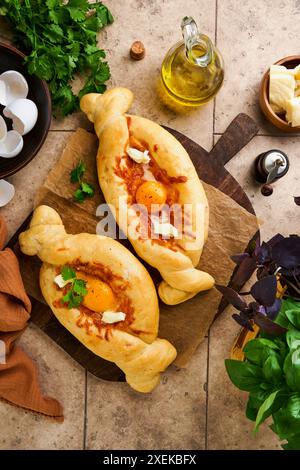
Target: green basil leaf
[243,375]
[269,406]
[293,339]
[294,317]
[272,369]
[292,370]
[258,349]
[293,443]
[287,304]
[287,418]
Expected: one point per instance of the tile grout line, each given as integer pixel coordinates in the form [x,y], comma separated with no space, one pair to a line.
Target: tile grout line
[208,336]
[216,38]
[266,135]
[207,389]
[85,411]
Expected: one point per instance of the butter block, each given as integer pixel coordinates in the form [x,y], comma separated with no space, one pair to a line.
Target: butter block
[293,111]
[281,89]
[297,72]
[281,69]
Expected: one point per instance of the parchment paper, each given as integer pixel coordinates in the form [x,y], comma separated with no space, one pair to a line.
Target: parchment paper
[231,228]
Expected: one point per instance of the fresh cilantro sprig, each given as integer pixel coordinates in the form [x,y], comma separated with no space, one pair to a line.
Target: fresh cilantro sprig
[60,40]
[77,290]
[85,189]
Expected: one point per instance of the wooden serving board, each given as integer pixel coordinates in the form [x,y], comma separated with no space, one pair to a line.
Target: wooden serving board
[211,167]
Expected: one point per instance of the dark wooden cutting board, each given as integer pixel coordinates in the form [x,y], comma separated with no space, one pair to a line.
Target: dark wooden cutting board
[211,167]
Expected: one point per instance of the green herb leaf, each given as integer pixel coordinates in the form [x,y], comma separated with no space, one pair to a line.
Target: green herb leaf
[293,316]
[78,172]
[293,443]
[79,196]
[87,189]
[79,287]
[269,406]
[292,370]
[68,273]
[258,349]
[287,418]
[245,376]
[60,40]
[287,304]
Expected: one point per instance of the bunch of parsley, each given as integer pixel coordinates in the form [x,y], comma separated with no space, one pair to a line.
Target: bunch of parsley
[60,40]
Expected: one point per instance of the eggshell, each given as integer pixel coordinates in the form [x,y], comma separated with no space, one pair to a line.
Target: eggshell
[23,113]
[11,145]
[3,129]
[7,192]
[13,86]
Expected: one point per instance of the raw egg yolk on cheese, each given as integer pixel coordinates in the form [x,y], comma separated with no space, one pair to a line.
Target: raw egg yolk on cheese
[151,192]
[100,296]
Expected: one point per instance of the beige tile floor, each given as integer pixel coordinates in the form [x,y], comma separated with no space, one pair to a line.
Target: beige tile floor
[195,408]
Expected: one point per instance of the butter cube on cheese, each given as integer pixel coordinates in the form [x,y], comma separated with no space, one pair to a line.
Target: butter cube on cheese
[297,72]
[293,111]
[281,89]
[281,69]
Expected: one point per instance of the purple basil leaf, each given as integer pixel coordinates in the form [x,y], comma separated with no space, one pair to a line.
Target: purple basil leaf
[237,259]
[261,309]
[297,200]
[262,254]
[268,326]
[243,272]
[246,314]
[233,297]
[286,253]
[243,322]
[264,290]
[277,238]
[273,310]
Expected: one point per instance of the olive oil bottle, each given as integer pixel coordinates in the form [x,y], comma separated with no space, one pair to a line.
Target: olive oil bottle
[192,71]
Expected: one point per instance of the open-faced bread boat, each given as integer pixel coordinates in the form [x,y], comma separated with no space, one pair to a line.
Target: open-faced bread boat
[102,294]
[140,164]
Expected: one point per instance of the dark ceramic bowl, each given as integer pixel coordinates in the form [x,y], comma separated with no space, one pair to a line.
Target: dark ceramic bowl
[12,59]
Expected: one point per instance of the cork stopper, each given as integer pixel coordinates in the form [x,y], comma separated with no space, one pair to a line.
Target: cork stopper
[137,50]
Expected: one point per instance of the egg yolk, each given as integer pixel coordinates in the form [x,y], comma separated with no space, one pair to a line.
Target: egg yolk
[100,296]
[151,192]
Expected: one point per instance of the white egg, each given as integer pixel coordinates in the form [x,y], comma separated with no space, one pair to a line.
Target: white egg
[3,129]
[23,113]
[7,192]
[11,145]
[12,87]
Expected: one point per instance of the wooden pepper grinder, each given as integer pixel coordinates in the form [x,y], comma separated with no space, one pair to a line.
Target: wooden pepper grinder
[269,167]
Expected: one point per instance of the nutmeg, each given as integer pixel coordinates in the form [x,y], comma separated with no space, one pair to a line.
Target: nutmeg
[137,50]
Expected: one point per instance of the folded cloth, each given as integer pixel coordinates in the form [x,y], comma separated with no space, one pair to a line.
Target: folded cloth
[19,383]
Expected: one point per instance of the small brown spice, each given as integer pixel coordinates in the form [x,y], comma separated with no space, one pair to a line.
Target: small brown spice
[266,190]
[137,50]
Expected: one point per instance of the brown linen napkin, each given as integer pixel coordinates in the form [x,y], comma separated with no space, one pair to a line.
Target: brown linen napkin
[19,384]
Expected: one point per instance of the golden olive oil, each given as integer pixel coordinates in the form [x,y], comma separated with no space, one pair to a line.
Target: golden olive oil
[192,71]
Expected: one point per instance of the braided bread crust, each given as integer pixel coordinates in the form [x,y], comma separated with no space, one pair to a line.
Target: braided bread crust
[181,279]
[136,350]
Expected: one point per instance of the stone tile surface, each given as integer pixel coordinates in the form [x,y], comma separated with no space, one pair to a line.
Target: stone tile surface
[157,24]
[171,417]
[252,35]
[62,378]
